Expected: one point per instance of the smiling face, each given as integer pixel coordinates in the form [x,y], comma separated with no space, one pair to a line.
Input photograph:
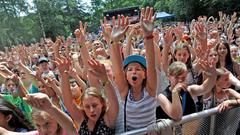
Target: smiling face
[182,55]
[222,50]
[93,107]
[135,74]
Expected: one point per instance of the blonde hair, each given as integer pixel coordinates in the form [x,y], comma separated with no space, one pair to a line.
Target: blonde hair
[94,92]
[39,114]
[177,68]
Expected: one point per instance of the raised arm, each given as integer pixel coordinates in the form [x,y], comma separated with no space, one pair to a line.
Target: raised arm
[73,73]
[98,70]
[22,91]
[81,40]
[56,47]
[42,102]
[208,84]
[168,40]
[76,113]
[129,47]
[28,72]
[147,25]
[118,31]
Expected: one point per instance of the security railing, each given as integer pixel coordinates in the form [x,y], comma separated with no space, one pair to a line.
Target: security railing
[208,122]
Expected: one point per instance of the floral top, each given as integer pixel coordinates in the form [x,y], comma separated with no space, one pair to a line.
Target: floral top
[100,128]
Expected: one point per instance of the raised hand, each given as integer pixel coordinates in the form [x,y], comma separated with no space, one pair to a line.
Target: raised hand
[106,28]
[39,100]
[201,34]
[38,74]
[168,37]
[120,28]
[68,42]
[15,78]
[72,72]
[179,31]
[80,33]
[101,52]
[62,64]
[51,82]
[234,17]
[147,21]
[98,69]
[156,37]
[208,68]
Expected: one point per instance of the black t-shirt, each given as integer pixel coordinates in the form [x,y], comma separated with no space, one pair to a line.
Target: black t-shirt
[189,106]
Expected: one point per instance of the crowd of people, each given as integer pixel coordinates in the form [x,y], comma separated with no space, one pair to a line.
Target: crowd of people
[127,79]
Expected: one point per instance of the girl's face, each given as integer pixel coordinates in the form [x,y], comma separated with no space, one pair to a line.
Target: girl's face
[213,56]
[92,107]
[46,126]
[234,52]
[182,55]
[11,86]
[237,30]
[223,81]
[75,89]
[222,50]
[237,41]
[174,80]
[135,74]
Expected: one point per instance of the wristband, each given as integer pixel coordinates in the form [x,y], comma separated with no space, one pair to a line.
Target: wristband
[149,37]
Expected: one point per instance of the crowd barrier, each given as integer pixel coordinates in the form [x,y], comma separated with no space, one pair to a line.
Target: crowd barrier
[208,122]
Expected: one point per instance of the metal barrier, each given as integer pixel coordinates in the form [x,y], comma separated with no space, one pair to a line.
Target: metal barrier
[207,122]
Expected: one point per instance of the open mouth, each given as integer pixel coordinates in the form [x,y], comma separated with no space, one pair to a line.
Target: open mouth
[93,115]
[134,78]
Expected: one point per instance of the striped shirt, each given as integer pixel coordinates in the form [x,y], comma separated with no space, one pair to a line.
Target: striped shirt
[140,114]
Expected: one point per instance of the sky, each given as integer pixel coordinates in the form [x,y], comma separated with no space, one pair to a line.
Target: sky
[84,1]
[31,4]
